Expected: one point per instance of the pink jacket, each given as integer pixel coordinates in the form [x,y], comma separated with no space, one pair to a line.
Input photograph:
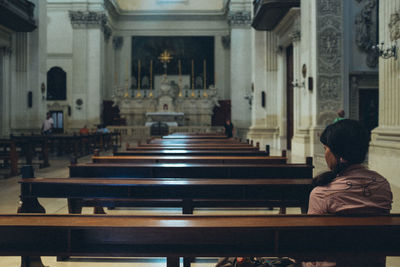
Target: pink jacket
[356,191]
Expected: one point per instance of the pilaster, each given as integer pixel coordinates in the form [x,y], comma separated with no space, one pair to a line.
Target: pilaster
[90,31]
[384,152]
[264,128]
[241,64]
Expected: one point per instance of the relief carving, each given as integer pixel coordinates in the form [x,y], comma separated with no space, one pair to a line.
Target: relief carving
[330,36]
[329,88]
[365,33]
[329,7]
[329,50]
[394,26]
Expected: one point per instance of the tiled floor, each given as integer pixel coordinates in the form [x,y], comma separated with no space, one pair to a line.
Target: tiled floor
[9,192]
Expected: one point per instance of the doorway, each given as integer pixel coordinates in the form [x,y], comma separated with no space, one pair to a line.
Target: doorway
[58,118]
[368,108]
[289,97]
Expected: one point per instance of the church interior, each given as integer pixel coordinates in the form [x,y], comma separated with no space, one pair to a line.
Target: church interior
[115,74]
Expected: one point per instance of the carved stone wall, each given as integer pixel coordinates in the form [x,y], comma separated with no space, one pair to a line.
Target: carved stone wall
[366,31]
[330,59]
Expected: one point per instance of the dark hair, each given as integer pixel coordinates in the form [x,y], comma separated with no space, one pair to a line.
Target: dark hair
[346,139]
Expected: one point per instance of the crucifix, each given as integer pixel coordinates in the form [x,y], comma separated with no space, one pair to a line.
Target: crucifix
[165,58]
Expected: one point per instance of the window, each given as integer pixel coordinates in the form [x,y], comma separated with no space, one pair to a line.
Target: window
[263,99]
[56,84]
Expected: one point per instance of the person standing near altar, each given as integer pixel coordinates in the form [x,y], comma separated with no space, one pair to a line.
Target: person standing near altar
[229,129]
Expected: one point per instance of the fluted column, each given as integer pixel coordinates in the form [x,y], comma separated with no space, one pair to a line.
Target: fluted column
[384,150]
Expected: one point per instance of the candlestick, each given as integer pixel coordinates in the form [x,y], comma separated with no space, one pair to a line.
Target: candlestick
[151,79]
[205,73]
[138,93]
[138,74]
[192,94]
[127,75]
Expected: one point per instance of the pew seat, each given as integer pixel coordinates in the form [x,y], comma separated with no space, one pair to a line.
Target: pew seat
[191,159]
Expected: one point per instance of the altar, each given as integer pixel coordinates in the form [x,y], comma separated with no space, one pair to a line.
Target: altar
[169,104]
[176,100]
[170,118]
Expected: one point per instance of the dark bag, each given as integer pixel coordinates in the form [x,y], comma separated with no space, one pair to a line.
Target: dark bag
[254,262]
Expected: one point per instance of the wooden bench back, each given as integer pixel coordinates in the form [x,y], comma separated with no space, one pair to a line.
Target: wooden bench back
[183,170]
[302,236]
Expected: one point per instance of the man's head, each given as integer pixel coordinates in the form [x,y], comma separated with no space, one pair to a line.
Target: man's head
[48,114]
[340,113]
[345,141]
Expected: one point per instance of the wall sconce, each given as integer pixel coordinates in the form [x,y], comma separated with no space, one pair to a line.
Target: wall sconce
[296,84]
[79,103]
[249,97]
[43,90]
[387,52]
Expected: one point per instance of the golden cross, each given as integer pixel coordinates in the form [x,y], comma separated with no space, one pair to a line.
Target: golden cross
[165,57]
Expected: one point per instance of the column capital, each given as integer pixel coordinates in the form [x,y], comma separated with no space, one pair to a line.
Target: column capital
[239,18]
[84,19]
[295,36]
[90,19]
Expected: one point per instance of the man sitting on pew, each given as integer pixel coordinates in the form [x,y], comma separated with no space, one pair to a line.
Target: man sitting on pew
[349,187]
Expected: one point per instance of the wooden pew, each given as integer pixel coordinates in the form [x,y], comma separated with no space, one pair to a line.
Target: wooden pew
[190,141]
[184,193]
[195,145]
[191,136]
[189,147]
[191,159]
[191,152]
[9,157]
[30,145]
[301,236]
[198,170]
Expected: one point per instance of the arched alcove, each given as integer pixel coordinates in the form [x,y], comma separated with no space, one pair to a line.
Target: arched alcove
[56,84]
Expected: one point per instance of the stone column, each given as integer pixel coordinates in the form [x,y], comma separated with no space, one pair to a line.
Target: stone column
[264,119]
[88,60]
[384,152]
[241,65]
